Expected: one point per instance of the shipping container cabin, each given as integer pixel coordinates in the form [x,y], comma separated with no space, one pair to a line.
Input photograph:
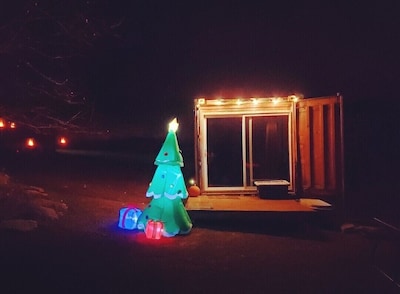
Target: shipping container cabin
[290,140]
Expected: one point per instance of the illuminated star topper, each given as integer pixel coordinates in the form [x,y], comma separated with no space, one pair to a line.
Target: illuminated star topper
[173,125]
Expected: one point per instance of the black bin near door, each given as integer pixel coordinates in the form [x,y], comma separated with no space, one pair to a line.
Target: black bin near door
[272,189]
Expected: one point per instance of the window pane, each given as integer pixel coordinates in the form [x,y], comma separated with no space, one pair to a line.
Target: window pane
[270,147]
[224,152]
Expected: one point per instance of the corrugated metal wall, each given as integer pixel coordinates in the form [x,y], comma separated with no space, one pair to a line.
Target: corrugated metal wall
[319,137]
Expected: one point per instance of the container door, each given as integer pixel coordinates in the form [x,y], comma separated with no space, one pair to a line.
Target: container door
[320,146]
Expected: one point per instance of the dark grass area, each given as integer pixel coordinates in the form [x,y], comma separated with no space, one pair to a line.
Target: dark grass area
[209,260]
[225,252]
[134,155]
[365,196]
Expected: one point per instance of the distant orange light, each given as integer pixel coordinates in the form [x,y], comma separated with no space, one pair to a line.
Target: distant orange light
[62,141]
[2,125]
[12,125]
[30,143]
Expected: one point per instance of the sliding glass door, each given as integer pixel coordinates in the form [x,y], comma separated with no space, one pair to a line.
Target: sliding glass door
[244,148]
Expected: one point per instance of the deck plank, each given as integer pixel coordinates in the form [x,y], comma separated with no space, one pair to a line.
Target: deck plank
[252,203]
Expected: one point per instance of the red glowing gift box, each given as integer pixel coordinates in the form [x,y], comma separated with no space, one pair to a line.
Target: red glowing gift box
[154,229]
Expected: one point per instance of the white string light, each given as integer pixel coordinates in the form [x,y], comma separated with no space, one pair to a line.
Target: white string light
[254,101]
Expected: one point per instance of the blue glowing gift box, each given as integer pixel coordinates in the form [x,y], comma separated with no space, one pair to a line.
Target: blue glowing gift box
[128,217]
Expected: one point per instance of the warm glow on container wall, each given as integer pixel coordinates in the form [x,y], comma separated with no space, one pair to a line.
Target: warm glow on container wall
[275,101]
[254,101]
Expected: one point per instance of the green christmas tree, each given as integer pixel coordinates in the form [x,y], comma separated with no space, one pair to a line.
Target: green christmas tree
[168,189]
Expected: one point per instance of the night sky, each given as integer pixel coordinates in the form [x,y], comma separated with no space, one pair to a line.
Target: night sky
[168,54]
[175,53]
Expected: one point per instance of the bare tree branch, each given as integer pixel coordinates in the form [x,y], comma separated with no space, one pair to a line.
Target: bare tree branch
[41,47]
[47,78]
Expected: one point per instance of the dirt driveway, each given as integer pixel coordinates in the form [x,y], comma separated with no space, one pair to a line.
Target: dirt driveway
[85,252]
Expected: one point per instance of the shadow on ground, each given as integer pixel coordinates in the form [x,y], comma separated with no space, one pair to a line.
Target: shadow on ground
[293,225]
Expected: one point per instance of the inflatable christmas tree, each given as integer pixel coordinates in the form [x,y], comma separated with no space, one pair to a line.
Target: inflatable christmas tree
[167,189]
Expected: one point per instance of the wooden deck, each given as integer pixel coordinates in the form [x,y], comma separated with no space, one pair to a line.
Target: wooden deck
[254,203]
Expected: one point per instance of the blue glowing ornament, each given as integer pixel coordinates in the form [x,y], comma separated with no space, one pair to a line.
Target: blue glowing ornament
[128,217]
[168,188]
